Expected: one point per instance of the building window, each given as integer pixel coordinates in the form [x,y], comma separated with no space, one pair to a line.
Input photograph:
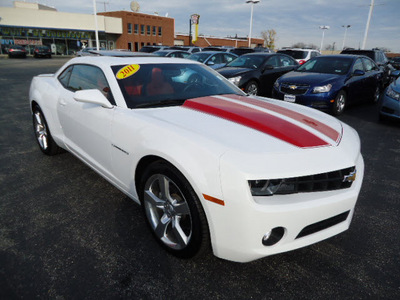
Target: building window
[136,28]
[136,46]
[148,30]
[129,28]
[154,30]
[130,46]
[159,31]
[142,29]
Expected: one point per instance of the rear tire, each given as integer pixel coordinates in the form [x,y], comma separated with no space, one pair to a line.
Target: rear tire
[173,211]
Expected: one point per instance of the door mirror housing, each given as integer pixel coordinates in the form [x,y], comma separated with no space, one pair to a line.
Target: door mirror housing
[358,73]
[268,67]
[92,96]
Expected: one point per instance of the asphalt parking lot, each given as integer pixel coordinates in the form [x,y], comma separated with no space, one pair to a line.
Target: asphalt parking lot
[65,233]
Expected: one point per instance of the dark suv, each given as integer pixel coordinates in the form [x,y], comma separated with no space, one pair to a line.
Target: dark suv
[377,56]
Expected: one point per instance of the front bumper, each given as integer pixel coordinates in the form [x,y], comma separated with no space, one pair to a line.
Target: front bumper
[321,101]
[238,229]
[390,107]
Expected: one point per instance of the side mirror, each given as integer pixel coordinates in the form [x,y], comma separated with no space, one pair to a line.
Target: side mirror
[210,63]
[358,73]
[268,67]
[395,74]
[93,96]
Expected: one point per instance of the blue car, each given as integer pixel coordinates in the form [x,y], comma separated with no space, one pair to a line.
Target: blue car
[389,107]
[331,82]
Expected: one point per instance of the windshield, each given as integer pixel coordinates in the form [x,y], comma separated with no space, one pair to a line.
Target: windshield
[328,65]
[247,61]
[150,85]
[296,54]
[200,57]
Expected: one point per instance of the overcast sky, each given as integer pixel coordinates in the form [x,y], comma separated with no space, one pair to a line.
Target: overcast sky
[293,20]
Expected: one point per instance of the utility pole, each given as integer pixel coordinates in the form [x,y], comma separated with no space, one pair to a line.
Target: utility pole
[371,8]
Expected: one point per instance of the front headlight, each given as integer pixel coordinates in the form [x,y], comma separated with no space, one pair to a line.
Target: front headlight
[235,80]
[392,94]
[270,187]
[322,89]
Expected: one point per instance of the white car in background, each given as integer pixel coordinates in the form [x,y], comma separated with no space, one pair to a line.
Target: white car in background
[213,168]
[299,54]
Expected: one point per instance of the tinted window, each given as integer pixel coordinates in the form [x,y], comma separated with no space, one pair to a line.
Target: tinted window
[248,61]
[64,76]
[369,65]
[296,54]
[228,58]
[287,61]
[358,65]
[329,65]
[85,77]
[153,83]
[274,61]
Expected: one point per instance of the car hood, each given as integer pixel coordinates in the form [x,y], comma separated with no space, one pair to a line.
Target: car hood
[250,124]
[309,78]
[233,71]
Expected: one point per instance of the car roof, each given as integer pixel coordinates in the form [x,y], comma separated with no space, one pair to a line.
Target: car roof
[106,61]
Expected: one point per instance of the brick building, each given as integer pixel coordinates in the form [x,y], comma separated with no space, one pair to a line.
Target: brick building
[140,29]
[204,41]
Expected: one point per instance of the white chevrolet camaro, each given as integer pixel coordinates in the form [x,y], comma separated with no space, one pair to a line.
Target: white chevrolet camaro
[213,168]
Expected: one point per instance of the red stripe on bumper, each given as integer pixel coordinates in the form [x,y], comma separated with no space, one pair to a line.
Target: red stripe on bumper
[256,119]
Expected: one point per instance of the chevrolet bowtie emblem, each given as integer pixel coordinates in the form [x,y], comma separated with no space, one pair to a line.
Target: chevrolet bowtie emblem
[351,177]
[292,87]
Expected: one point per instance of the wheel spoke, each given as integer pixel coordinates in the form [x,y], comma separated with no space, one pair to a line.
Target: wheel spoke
[180,235]
[153,200]
[181,209]
[162,226]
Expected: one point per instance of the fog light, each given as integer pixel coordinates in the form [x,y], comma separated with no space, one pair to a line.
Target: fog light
[273,236]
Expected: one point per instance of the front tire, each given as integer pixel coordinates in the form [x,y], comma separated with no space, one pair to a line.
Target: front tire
[339,104]
[43,136]
[173,211]
[251,88]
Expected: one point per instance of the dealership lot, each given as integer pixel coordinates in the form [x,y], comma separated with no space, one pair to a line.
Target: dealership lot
[67,233]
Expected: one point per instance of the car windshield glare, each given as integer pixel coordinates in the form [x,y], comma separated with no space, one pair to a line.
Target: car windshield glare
[249,61]
[328,65]
[146,85]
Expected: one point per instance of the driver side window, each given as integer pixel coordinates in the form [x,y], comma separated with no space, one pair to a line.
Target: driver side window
[85,77]
[358,66]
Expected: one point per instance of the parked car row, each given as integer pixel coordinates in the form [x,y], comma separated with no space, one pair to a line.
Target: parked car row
[15,51]
[194,49]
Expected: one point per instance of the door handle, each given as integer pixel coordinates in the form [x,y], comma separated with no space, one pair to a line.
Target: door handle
[63,102]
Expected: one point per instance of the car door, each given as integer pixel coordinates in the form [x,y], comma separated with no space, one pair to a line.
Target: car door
[273,68]
[356,83]
[86,126]
[373,77]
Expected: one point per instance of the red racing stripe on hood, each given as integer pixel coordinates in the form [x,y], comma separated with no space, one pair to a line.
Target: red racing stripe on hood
[256,119]
[317,125]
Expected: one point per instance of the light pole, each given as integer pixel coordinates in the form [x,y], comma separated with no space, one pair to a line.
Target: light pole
[323,27]
[345,32]
[371,8]
[251,17]
[96,25]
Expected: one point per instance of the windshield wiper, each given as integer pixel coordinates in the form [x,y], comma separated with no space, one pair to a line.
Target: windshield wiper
[166,102]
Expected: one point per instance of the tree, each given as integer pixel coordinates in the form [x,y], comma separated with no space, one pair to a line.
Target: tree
[269,37]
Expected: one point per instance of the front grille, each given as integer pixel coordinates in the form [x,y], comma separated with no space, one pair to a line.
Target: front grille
[313,228]
[317,183]
[294,89]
